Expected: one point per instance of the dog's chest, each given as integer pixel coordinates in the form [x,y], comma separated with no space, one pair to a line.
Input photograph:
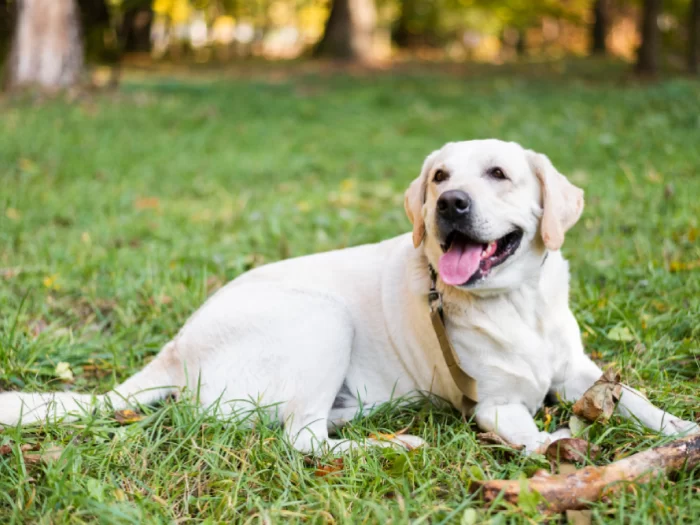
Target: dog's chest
[506,345]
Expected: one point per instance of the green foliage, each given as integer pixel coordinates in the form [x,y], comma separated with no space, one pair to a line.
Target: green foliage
[120,212]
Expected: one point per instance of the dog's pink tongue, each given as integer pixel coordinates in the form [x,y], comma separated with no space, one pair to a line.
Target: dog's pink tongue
[460,262]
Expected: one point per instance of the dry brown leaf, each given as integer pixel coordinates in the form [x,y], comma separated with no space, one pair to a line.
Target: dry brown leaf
[47,455]
[38,327]
[214,283]
[126,417]
[598,402]
[6,450]
[334,467]
[9,273]
[147,203]
[579,517]
[491,438]
[97,370]
[380,436]
[571,450]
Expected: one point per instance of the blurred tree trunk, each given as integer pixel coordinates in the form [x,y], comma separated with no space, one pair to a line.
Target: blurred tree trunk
[599,31]
[521,44]
[47,50]
[403,36]
[694,37]
[136,29]
[648,52]
[349,33]
[417,24]
[7,22]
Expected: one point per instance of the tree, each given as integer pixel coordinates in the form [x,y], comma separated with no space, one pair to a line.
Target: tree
[417,25]
[648,52]
[599,30]
[349,32]
[7,18]
[136,27]
[47,50]
[694,36]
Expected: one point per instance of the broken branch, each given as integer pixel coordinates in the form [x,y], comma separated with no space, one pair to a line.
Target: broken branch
[576,490]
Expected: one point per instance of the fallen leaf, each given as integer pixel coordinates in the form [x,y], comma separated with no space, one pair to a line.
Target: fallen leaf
[693,234]
[6,450]
[380,436]
[9,273]
[50,281]
[598,402]
[335,466]
[348,185]
[214,283]
[147,203]
[491,438]
[126,417]
[27,165]
[571,450]
[567,468]
[63,372]
[39,326]
[547,416]
[640,348]
[47,455]
[577,426]
[620,333]
[579,517]
[669,191]
[678,266]
[470,517]
[98,370]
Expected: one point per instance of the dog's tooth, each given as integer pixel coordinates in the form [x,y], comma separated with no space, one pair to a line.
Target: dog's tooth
[489,250]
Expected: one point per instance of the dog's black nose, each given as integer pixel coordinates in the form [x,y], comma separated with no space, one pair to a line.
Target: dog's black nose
[454,204]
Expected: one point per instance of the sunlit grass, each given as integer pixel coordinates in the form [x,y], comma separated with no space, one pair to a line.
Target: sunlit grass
[121,212]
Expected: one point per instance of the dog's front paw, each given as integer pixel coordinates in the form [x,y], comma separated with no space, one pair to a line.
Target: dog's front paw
[674,426]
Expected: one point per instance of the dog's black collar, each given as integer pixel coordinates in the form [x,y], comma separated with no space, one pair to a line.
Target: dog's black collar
[433,294]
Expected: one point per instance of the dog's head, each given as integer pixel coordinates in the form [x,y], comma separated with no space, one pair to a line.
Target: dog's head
[486,211]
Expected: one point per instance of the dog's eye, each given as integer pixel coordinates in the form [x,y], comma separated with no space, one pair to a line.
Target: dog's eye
[497,173]
[441,176]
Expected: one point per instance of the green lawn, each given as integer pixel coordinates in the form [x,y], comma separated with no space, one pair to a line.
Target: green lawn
[120,212]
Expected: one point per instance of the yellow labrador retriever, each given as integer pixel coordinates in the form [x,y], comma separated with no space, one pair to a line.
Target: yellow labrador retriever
[319,339]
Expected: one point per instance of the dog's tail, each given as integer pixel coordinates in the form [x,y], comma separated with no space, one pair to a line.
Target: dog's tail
[160,378]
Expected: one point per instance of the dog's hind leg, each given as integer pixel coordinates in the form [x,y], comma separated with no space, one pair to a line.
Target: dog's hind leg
[321,341]
[160,377]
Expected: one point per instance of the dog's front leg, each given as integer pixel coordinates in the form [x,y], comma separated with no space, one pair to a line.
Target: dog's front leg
[582,373]
[514,423]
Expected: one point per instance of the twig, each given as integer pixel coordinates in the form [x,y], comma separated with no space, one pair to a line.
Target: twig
[576,490]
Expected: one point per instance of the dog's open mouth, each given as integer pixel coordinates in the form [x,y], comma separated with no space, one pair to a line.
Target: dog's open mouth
[466,261]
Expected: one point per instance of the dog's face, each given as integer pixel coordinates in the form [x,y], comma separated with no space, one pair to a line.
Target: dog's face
[486,211]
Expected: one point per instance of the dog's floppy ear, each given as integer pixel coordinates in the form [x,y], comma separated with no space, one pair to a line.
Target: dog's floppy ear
[562,202]
[415,198]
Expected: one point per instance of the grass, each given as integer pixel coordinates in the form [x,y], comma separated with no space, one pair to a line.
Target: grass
[121,212]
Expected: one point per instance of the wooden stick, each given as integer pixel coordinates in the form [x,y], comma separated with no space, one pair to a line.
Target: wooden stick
[576,490]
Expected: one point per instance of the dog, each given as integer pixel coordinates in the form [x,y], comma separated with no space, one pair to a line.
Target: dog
[321,338]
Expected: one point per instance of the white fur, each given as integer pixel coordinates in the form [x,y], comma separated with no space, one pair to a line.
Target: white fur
[289,335]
